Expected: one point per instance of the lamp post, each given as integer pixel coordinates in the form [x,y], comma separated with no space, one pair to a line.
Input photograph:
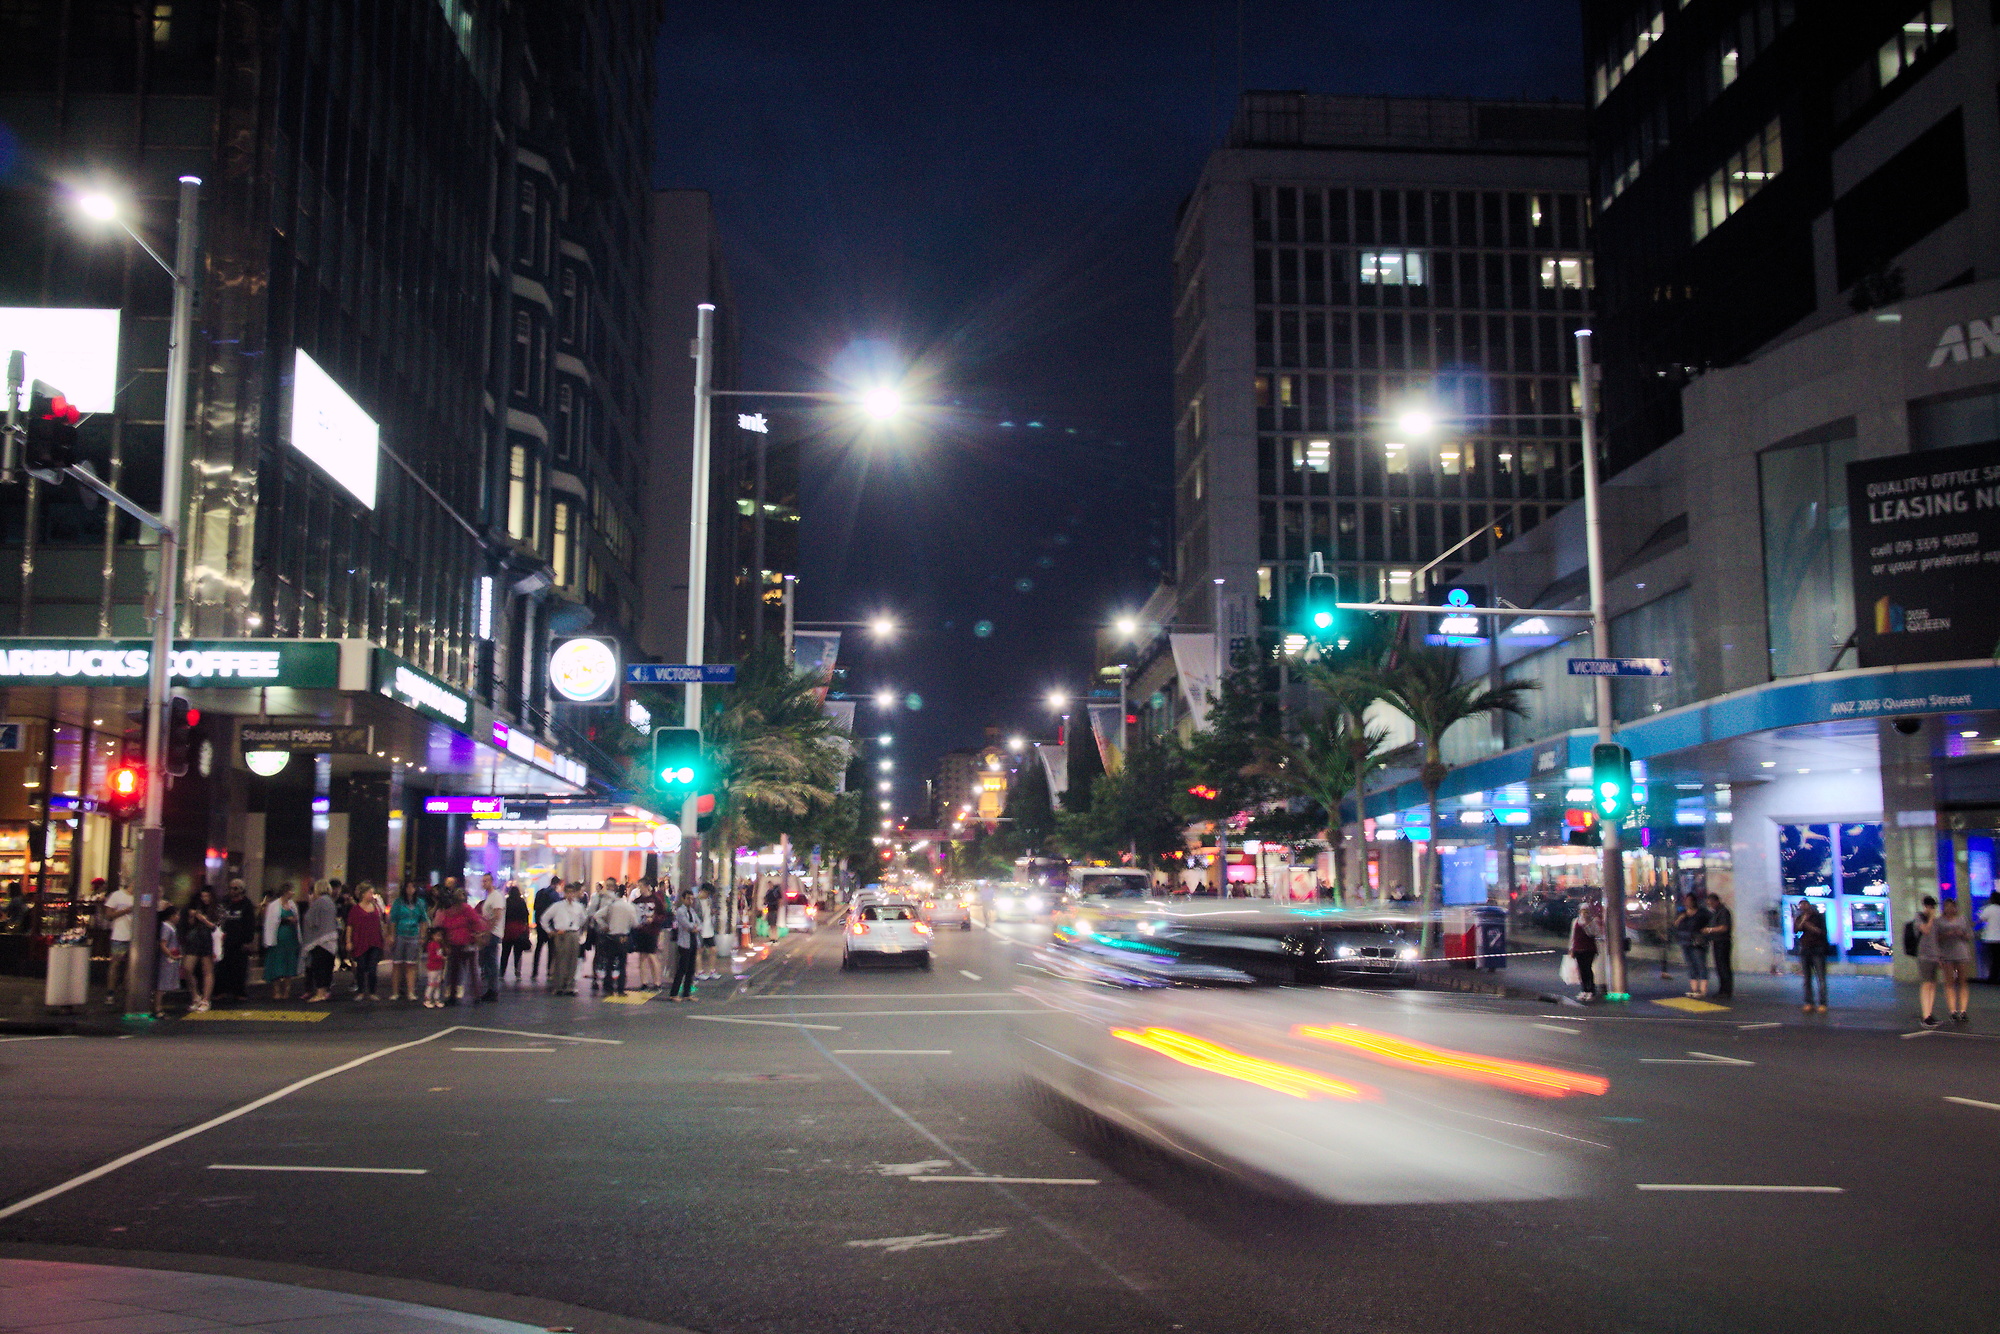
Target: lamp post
[152,831]
[1600,641]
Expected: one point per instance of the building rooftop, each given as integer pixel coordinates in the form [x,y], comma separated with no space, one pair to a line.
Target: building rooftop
[1317,120]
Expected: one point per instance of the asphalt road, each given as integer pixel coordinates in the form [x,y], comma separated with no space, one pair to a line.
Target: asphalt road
[781,1171]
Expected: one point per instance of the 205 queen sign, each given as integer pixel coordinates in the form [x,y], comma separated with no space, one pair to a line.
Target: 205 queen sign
[301,664]
[1925,540]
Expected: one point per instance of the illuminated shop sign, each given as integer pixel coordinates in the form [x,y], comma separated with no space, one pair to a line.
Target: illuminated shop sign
[426,694]
[74,350]
[304,664]
[330,428]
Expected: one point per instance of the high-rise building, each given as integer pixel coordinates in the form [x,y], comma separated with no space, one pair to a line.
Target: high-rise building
[1373,306]
[413,438]
[1766,167]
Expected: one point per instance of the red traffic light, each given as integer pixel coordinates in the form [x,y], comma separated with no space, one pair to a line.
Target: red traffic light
[125,782]
[705,804]
[127,791]
[193,716]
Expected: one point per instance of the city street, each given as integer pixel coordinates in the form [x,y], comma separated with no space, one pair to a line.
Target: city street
[794,1157]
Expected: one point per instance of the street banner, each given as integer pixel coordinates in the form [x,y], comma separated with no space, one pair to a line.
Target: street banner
[1924,536]
[1104,720]
[1194,664]
[816,651]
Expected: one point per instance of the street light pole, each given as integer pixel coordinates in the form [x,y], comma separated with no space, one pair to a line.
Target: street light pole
[697,599]
[1600,637]
[139,975]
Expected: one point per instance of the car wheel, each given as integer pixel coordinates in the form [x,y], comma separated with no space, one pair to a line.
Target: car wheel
[925,961]
[965,925]
[846,962]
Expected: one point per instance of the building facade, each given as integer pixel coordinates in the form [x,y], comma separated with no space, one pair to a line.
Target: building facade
[1763,167]
[422,215]
[1373,302]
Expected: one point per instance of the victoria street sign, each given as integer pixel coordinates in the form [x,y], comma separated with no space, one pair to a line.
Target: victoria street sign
[667,674]
[1620,667]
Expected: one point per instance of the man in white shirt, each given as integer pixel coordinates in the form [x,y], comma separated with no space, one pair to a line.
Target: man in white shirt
[564,920]
[117,910]
[493,910]
[1989,937]
[614,919]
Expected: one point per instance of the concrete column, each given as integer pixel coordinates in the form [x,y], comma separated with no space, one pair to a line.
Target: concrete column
[251,843]
[1909,820]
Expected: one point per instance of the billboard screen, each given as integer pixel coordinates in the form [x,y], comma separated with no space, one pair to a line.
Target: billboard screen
[75,351]
[1926,544]
[330,428]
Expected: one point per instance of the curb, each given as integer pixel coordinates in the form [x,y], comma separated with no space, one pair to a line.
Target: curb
[545,1312]
[1481,987]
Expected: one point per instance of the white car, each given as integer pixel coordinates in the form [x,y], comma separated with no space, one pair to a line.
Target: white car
[892,930]
[1023,902]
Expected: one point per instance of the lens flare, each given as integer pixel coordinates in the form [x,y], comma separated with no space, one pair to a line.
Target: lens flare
[1291,1080]
[1541,1080]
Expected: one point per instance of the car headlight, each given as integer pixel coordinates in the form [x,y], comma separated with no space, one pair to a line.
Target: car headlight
[1345,952]
[1036,903]
[1407,952]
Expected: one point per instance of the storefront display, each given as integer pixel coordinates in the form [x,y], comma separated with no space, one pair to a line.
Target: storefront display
[1839,868]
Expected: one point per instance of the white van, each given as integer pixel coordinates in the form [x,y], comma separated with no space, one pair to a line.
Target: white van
[1109,882]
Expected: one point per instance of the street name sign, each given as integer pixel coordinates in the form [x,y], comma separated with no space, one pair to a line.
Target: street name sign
[671,674]
[1620,667]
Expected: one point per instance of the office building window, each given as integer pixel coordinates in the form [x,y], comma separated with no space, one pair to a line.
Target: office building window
[523,493]
[569,311]
[524,351]
[1566,274]
[1746,172]
[1808,579]
[1631,42]
[524,221]
[563,535]
[1392,268]
[565,421]
[1925,34]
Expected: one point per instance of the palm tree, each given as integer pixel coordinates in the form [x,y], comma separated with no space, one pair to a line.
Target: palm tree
[1426,684]
[1351,686]
[1330,758]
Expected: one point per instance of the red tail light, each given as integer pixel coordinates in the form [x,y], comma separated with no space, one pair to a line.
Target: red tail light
[920,928]
[859,928]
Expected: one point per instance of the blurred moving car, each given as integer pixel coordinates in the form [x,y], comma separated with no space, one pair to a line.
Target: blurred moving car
[1023,903]
[950,907]
[1247,940]
[892,929]
[1109,882]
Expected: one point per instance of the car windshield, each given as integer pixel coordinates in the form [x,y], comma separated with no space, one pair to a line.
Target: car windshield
[886,913]
[1113,887]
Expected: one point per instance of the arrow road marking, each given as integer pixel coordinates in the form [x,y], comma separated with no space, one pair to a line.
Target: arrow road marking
[922,1240]
[1554,1028]
[974,976]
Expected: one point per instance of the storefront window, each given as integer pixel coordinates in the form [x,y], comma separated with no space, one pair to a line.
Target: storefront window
[1808,582]
[1663,628]
[1841,870]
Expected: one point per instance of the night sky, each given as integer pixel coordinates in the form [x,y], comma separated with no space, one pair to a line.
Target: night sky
[981,198]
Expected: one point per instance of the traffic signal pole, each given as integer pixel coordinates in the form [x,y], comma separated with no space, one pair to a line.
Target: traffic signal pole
[1600,638]
[697,600]
[139,977]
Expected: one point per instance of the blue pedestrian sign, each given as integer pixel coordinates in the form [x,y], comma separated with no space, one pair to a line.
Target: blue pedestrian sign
[669,674]
[1620,667]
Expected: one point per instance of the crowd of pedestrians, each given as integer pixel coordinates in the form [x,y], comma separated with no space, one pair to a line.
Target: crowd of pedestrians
[443,944]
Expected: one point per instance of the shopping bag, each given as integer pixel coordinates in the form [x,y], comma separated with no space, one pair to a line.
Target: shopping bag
[1568,971]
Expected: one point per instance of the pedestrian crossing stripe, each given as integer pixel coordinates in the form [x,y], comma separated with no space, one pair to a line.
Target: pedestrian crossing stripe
[1690,1004]
[257,1016]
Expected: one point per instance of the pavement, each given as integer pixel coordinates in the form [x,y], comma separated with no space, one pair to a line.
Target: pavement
[805,1149]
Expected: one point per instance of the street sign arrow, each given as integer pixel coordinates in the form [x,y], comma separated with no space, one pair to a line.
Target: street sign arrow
[1620,667]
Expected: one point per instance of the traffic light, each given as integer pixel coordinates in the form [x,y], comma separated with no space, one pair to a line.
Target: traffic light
[52,421]
[677,763]
[127,795]
[1610,782]
[182,718]
[1324,620]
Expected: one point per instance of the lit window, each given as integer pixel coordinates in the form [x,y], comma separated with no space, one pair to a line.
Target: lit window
[1264,582]
[163,24]
[1395,457]
[1563,273]
[1288,391]
[1535,210]
[522,493]
[1730,187]
[1319,455]
[560,556]
[1730,60]
[1921,30]
[1449,458]
[1392,268]
[1628,46]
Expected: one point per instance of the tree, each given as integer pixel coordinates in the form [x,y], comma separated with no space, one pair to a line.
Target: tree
[1222,757]
[1331,757]
[1427,685]
[1030,813]
[1349,680]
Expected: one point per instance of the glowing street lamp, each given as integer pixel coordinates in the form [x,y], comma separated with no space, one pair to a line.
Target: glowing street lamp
[1058,699]
[885,699]
[1127,627]
[884,739]
[882,627]
[882,402]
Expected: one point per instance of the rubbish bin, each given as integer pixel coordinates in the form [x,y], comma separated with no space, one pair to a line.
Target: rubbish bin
[69,976]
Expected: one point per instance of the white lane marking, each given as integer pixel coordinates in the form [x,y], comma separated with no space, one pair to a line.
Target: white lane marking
[923,1240]
[503,1048]
[1777,1191]
[881,1014]
[917,1168]
[766,1023]
[42,1037]
[1747,1027]
[1705,1059]
[1553,1028]
[126,1159]
[1920,1033]
[1014,1181]
[974,976]
[522,1033]
[877,995]
[1974,1102]
[889,1051]
[294,1167]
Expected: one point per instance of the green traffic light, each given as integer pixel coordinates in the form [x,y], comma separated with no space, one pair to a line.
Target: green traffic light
[1323,619]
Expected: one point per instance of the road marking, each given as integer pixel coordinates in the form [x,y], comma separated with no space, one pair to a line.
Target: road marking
[890,1014]
[256,1016]
[1747,1027]
[503,1048]
[41,1037]
[876,995]
[1974,1102]
[126,1159]
[923,1240]
[1012,1181]
[639,999]
[917,1168]
[1920,1033]
[888,1051]
[522,1033]
[1706,1059]
[1690,1004]
[1555,1028]
[767,1023]
[294,1167]
[974,976]
[1777,1191]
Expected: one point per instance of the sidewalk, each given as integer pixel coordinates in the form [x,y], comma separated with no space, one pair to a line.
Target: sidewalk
[1875,1001]
[59,1297]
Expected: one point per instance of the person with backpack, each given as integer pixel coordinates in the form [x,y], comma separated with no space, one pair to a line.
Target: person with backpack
[1809,925]
[1918,944]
